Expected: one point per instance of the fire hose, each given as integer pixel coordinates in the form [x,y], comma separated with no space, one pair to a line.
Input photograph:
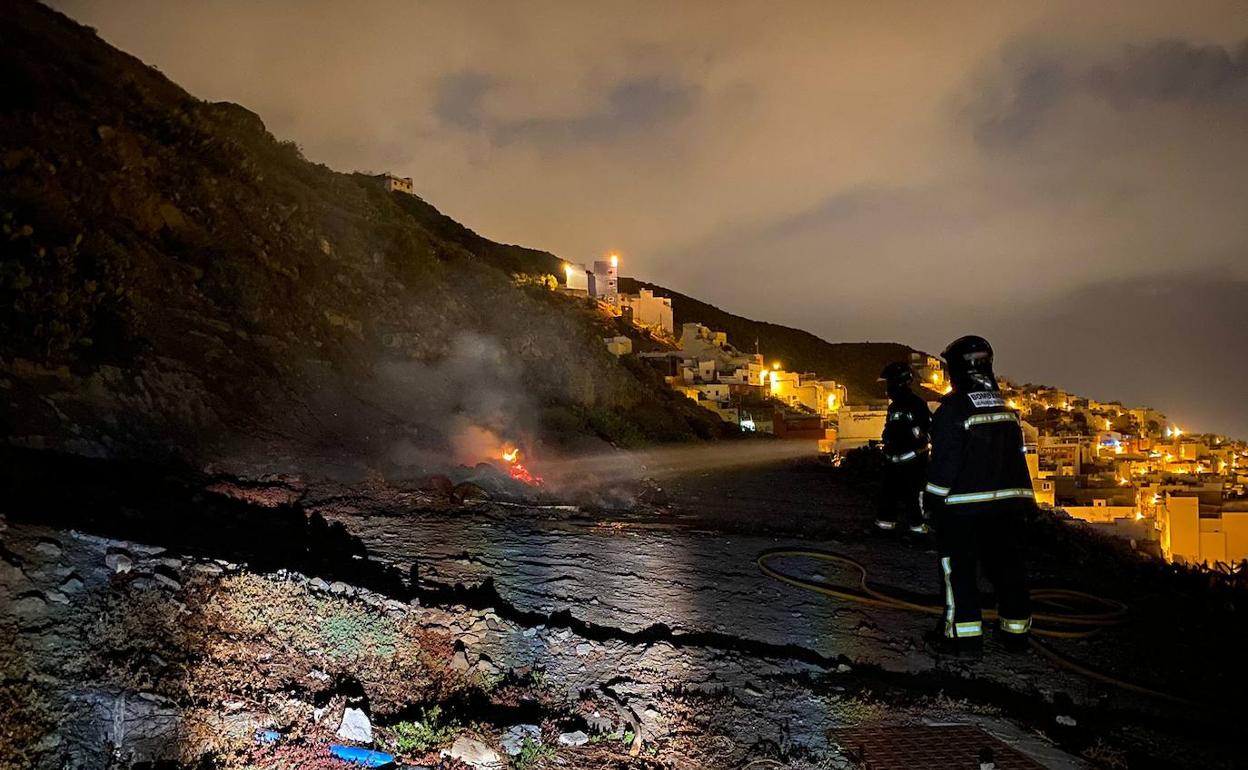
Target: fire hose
[1063,613]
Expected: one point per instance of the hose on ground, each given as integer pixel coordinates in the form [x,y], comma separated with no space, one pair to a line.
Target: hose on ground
[1062,613]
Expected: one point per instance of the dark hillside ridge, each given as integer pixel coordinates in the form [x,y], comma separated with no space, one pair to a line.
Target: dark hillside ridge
[508,257]
[174,280]
[853,364]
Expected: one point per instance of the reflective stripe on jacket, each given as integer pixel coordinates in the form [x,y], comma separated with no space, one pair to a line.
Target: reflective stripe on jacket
[976,457]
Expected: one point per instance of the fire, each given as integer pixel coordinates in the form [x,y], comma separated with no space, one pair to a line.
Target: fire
[511,456]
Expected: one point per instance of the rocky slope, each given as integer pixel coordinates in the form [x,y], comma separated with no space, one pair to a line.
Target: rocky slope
[176,281]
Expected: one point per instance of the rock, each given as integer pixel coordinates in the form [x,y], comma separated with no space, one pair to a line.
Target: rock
[166,581]
[119,562]
[513,739]
[1066,721]
[71,584]
[584,648]
[30,605]
[355,726]
[466,490]
[473,752]
[49,548]
[459,661]
[207,568]
[56,596]
[340,588]
[843,668]
[318,584]
[575,738]
[438,484]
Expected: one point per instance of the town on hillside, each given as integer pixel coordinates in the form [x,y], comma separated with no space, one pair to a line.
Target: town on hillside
[1125,471]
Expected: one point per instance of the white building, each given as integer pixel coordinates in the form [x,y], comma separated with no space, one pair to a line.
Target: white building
[392,183]
[577,277]
[649,310]
[858,426]
[604,281]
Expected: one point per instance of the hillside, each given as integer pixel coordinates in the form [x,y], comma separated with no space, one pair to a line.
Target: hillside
[177,282]
[854,364]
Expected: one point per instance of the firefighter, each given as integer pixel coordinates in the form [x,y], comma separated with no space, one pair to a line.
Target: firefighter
[978,495]
[905,453]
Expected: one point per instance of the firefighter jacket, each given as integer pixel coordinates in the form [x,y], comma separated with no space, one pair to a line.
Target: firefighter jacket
[905,428]
[978,453]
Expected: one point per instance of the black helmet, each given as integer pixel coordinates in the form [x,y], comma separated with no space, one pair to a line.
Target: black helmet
[897,373]
[969,357]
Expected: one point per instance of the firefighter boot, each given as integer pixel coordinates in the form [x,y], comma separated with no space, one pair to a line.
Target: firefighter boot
[964,648]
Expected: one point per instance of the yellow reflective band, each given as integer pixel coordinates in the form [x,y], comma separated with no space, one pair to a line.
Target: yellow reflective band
[905,456]
[973,628]
[984,497]
[1015,626]
[989,417]
[946,568]
[937,490]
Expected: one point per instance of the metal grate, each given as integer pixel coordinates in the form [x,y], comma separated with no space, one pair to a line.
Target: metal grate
[951,747]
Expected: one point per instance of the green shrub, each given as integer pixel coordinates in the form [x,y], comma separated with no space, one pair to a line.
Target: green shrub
[431,731]
[532,752]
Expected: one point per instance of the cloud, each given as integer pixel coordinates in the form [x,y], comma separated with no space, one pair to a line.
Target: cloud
[1174,71]
[1170,341]
[630,106]
[457,102]
[1030,86]
[1012,112]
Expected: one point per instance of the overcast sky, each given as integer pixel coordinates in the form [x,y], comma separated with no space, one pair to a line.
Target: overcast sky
[1069,179]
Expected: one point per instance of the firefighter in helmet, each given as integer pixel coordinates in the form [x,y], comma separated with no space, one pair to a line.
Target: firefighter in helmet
[978,495]
[905,453]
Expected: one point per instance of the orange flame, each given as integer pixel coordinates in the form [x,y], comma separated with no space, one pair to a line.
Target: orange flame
[518,472]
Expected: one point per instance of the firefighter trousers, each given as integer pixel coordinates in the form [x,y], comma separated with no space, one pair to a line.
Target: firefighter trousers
[901,494]
[988,534]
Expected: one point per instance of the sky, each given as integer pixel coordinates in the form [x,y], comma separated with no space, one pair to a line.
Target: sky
[1068,179]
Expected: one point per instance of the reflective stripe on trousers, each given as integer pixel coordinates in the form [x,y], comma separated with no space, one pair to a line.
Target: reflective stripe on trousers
[1014,626]
[955,630]
[984,497]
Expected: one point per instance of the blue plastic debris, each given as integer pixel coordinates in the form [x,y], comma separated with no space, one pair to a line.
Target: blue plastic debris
[265,737]
[365,757]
